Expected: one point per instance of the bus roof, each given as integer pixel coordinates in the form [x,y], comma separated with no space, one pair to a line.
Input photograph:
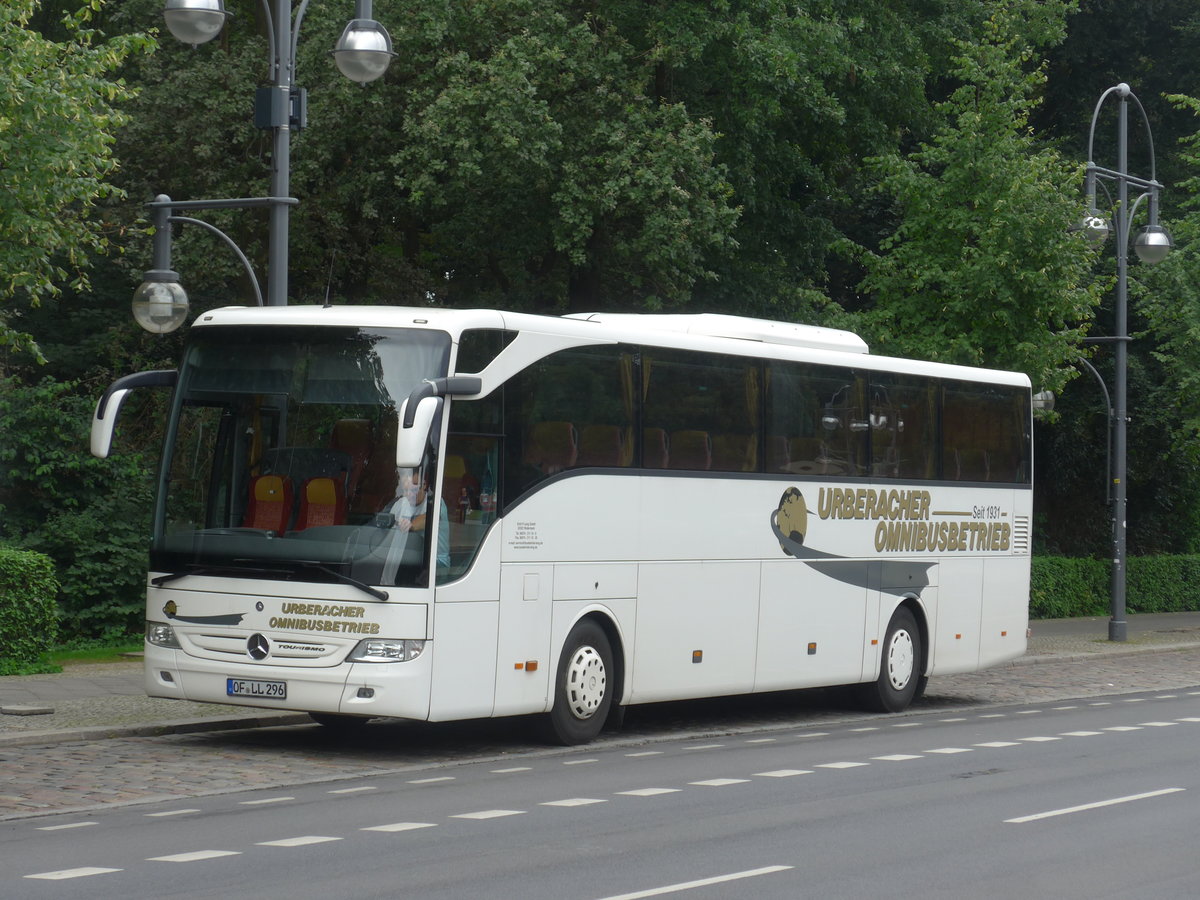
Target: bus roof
[738,327]
[706,331]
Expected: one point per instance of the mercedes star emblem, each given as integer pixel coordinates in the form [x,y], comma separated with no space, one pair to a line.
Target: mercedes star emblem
[257,647]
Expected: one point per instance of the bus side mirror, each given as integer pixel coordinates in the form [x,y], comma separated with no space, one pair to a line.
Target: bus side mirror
[419,411]
[417,420]
[104,419]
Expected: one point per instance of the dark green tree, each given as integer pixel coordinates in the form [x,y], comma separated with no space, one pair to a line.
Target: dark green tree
[982,269]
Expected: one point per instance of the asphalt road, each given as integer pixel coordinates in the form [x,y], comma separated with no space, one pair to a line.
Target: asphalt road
[1091,797]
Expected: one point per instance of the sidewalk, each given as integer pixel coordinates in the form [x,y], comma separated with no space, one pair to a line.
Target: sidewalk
[87,702]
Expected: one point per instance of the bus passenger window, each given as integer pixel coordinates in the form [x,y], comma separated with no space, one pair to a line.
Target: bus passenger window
[903,419]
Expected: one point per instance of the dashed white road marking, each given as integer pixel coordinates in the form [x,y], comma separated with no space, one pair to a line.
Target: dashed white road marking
[947,751]
[512,769]
[574,801]
[718,782]
[1097,805]
[579,762]
[908,725]
[490,814]
[400,826]
[702,882]
[761,740]
[1124,728]
[997,744]
[67,826]
[171,812]
[703,747]
[63,874]
[432,780]
[869,728]
[1190,719]
[841,765]
[1028,712]
[299,841]
[993,716]
[265,801]
[1061,708]
[1039,739]
[646,753]
[782,773]
[1134,700]
[897,757]
[354,790]
[812,734]
[194,856]
[1080,733]
[1157,724]
[648,792]
[959,719]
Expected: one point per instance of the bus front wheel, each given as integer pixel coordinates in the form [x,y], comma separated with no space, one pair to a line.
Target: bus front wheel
[582,687]
[900,673]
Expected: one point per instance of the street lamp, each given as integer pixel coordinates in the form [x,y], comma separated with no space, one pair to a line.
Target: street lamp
[1151,245]
[362,54]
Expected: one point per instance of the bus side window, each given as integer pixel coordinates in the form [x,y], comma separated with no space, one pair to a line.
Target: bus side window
[903,419]
[550,407]
[985,433]
[816,423]
[709,407]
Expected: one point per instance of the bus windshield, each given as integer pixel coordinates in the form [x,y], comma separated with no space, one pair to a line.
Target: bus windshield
[280,456]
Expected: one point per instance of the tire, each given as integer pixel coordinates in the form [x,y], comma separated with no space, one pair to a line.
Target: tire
[900,675]
[339,722]
[582,687]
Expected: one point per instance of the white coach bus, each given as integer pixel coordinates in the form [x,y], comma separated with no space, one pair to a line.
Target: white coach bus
[443,514]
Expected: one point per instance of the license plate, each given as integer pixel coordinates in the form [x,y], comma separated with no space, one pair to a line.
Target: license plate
[244,687]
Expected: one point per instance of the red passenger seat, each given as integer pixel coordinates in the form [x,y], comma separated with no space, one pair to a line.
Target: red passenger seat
[322,502]
[270,506]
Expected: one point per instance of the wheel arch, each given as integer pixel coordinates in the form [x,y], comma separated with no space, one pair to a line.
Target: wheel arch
[607,621]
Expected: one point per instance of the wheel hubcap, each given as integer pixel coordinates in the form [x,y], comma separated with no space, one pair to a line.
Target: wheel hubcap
[901,660]
[586,683]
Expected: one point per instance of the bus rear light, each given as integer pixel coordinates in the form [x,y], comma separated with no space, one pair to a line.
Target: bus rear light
[382,650]
[161,635]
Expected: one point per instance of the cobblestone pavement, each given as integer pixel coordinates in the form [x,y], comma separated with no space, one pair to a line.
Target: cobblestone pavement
[81,775]
[51,777]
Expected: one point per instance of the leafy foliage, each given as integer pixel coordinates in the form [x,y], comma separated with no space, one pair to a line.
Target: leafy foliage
[58,116]
[28,619]
[983,268]
[89,515]
[1064,587]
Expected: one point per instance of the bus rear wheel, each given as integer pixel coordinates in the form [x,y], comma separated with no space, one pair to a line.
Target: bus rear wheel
[582,687]
[900,673]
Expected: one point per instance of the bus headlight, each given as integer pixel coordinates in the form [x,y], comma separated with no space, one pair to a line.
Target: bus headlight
[161,635]
[379,650]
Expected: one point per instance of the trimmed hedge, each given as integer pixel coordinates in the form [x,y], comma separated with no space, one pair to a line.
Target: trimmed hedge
[28,611]
[1062,587]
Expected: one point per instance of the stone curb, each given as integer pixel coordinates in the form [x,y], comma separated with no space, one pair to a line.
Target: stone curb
[151,729]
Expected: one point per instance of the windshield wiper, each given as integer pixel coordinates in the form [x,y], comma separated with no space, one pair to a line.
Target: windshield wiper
[344,579]
[202,569]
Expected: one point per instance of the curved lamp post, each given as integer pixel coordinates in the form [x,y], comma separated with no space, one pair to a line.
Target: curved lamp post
[1151,245]
[362,54]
